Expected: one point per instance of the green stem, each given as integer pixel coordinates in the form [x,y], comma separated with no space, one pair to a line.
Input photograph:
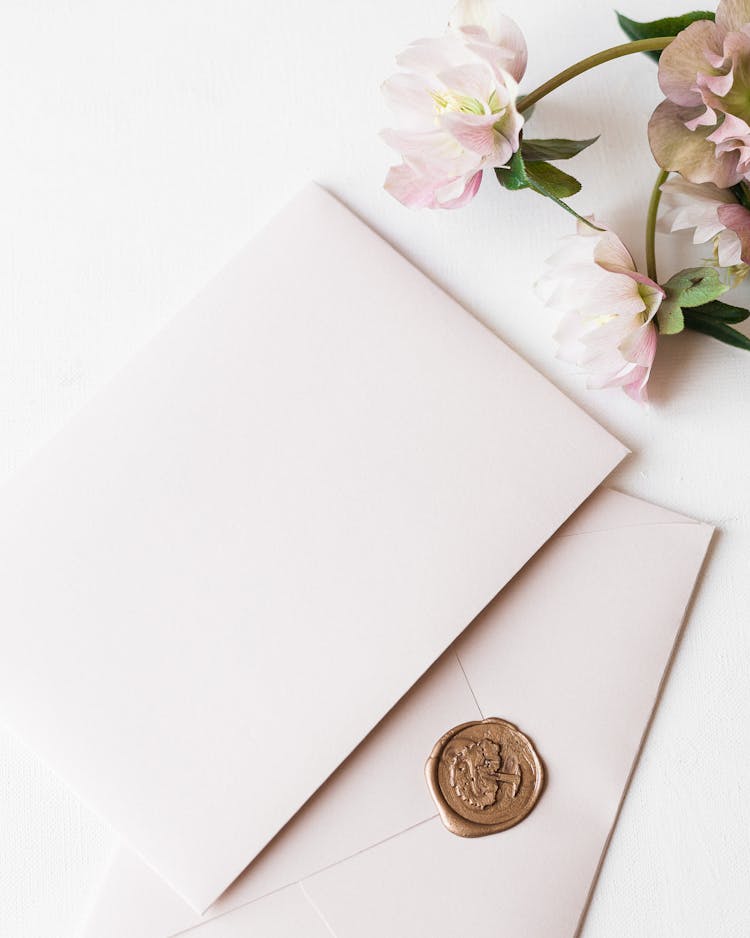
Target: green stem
[616,52]
[653,211]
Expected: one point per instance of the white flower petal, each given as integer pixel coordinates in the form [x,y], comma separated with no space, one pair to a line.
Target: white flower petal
[501,30]
[608,307]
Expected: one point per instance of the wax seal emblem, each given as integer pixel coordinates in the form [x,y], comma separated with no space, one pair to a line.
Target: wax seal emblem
[484,776]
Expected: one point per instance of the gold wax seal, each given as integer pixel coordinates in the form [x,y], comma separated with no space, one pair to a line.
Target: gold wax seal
[484,776]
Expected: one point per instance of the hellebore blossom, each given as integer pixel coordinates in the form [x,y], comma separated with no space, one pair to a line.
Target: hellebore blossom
[607,327]
[455,107]
[702,129]
[715,215]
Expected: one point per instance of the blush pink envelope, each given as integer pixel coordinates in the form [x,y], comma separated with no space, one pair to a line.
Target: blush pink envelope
[574,652]
[267,528]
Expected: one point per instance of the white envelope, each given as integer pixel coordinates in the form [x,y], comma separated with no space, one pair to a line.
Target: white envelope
[272,522]
[573,652]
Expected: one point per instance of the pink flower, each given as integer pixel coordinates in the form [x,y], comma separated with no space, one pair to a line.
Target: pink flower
[607,328]
[701,130]
[455,106]
[715,215]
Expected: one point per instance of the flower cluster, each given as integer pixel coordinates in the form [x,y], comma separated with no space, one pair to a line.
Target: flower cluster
[459,112]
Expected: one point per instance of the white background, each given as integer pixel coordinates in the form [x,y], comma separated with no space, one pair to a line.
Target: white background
[145,142]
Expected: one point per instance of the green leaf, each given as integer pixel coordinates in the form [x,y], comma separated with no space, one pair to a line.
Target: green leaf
[553,181]
[548,182]
[670,317]
[513,176]
[669,26]
[554,149]
[718,330]
[695,286]
[723,312]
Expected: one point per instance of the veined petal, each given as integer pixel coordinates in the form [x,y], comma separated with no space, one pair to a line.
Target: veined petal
[732,15]
[690,205]
[436,148]
[473,131]
[641,350]
[611,254]
[705,118]
[500,29]
[718,85]
[737,218]
[689,152]
[639,347]
[635,386]
[409,97]
[473,81]
[411,188]
[731,130]
[431,56]
[447,200]
[685,58]
[728,248]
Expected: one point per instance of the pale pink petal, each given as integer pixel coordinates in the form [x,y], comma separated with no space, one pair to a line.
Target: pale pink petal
[730,130]
[430,56]
[718,85]
[470,190]
[500,29]
[733,14]
[635,387]
[728,248]
[438,149]
[715,59]
[705,118]
[475,81]
[409,187]
[689,205]
[684,58]
[639,347]
[611,254]
[607,294]
[737,218]
[688,152]
[473,131]
[410,98]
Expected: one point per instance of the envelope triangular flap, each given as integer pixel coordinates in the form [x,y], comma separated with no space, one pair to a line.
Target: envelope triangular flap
[248,547]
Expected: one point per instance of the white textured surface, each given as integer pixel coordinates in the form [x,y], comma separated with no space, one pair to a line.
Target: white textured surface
[145,141]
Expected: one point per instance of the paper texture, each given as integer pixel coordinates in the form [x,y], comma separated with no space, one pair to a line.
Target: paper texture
[573,651]
[262,533]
